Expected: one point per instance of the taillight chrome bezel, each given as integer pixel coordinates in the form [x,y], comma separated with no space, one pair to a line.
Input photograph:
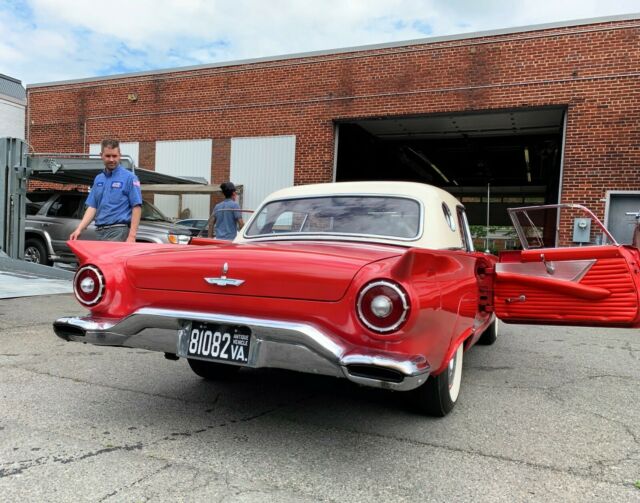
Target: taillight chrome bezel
[101,284]
[401,294]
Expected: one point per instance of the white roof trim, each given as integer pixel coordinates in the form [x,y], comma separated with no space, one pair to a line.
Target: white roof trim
[13,100]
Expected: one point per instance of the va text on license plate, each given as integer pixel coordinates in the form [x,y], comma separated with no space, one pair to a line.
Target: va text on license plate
[219,342]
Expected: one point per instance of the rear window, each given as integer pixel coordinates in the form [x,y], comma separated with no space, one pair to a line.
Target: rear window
[384,216]
[66,206]
[35,202]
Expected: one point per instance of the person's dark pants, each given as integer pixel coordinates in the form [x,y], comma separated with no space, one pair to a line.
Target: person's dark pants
[114,233]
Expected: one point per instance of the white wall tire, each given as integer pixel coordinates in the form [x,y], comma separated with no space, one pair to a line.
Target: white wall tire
[439,394]
[455,374]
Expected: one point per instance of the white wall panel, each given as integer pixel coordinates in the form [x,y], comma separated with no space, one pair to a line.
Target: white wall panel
[184,158]
[130,148]
[262,165]
[11,119]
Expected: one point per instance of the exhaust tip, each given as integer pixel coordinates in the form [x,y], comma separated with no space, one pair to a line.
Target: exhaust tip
[375,372]
[66,331]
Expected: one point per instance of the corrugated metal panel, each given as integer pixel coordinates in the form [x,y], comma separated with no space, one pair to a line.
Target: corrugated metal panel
[130,148]
[262,165]
[184,158]
[13,88]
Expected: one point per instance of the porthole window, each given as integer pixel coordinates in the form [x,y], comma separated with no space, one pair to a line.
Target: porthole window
[448,217]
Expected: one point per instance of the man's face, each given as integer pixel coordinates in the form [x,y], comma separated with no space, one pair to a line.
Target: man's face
[110,157]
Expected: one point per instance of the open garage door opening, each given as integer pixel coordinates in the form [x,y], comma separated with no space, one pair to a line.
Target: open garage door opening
[490,161]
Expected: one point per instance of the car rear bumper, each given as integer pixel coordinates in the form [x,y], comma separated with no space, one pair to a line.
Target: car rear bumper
[276,344]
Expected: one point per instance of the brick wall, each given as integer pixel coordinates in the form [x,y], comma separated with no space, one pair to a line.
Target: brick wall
[593,70]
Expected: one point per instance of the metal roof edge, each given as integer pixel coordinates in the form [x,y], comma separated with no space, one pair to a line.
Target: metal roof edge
[342,50]
[14,100]
[11,79]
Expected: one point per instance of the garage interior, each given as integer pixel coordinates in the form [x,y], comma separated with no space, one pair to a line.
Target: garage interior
[504,158]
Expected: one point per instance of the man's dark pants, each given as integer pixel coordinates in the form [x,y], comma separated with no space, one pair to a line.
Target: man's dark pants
[116,233]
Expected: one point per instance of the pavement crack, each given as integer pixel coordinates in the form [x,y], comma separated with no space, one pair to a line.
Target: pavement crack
[633,353]
[138,481]
[27,464]
[465,451]
[488,368]
[635,436]
[111,387]
[224,424]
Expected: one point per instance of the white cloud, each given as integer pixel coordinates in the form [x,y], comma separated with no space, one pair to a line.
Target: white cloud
[48,40]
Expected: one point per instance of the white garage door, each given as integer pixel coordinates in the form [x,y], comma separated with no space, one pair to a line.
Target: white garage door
[262,165]
[131,149]
[186,158]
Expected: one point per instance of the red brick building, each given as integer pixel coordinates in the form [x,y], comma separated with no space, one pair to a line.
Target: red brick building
[543,114]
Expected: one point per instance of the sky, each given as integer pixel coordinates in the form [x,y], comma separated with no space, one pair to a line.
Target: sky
[53,40]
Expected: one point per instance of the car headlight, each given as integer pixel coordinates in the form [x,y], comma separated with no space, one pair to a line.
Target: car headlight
[179,239]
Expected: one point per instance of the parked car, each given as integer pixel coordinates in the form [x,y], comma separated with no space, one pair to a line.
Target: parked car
[198,226]
[53,215]
[376,282]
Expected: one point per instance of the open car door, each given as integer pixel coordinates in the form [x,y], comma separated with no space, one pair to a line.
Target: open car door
[594,282]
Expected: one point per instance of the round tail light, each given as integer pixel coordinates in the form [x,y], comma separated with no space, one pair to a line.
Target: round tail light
[383,306]
[88,285]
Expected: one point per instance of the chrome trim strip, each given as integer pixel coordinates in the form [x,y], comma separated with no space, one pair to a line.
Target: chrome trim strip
[289,345]
[100,277]
[396,288]
[224,281]
[568,270]
[336,234]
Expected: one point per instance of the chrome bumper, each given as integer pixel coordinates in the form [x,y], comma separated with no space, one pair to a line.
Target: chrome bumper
[276,344]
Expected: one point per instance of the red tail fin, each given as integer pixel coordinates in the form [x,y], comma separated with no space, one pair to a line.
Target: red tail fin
[93,251]
[424,262]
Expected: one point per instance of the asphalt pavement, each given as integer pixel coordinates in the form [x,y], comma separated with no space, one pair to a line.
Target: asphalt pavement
[546,414]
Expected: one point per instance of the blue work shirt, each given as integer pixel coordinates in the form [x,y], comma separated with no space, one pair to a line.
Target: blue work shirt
[226,220]
[113,196]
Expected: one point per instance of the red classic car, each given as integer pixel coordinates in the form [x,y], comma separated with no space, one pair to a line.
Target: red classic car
[376,282]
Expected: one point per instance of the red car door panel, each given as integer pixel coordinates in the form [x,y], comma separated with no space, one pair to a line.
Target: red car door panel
[595,286]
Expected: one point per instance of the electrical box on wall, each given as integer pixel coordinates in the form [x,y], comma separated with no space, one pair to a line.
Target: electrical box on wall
[581,230]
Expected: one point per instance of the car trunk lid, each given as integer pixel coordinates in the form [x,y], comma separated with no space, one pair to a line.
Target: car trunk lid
[306,271]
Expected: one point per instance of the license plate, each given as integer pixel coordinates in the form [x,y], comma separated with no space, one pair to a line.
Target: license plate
[219,342]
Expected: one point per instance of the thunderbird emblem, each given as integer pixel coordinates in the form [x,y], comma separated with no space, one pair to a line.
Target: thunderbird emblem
[223,280]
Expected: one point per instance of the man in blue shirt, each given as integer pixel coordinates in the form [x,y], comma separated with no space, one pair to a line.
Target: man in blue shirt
[226,219]
[115,200]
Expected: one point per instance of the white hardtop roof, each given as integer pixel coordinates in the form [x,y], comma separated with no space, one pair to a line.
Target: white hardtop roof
[435,232]
[415,190]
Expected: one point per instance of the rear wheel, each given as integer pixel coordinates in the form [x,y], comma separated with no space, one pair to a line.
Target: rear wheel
[212,371]
[490,335]
[440,393]
[35,252]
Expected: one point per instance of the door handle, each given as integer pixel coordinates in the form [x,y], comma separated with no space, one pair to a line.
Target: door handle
[511,300]
[548,265]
